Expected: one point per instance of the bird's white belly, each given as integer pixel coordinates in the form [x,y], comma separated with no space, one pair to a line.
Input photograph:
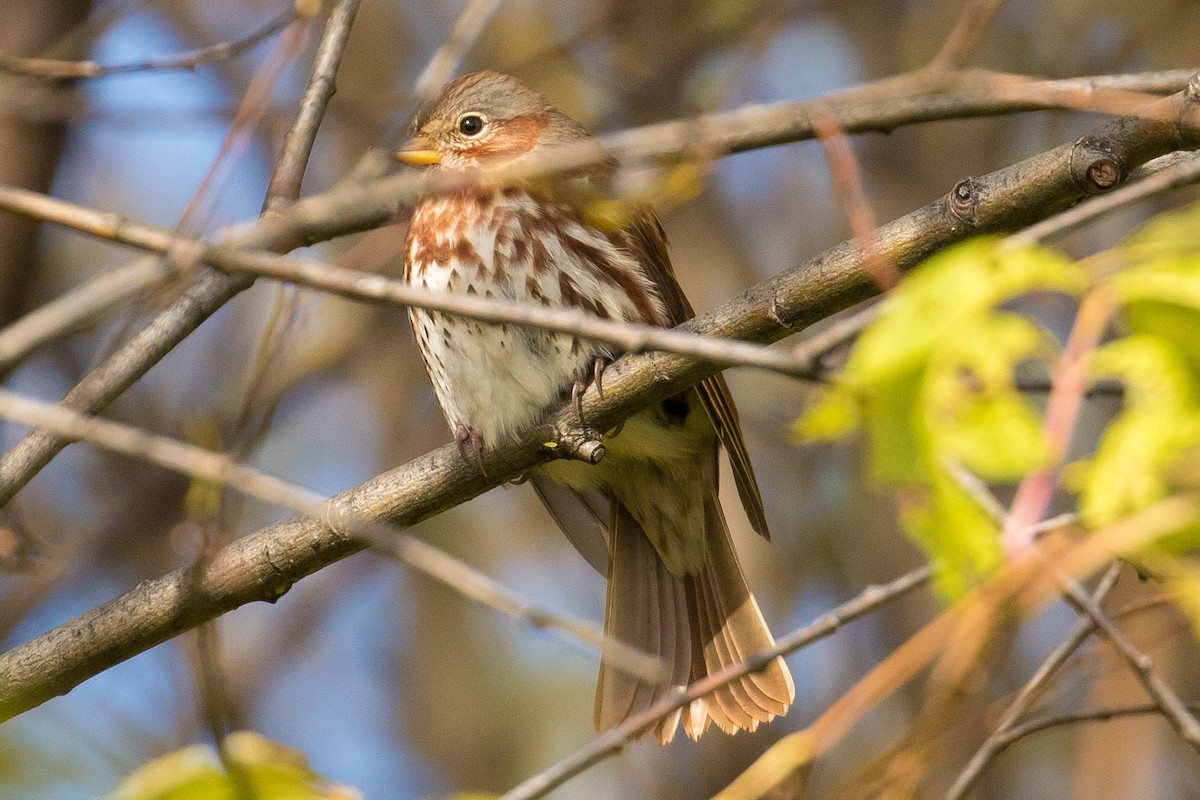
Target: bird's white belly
[496,380]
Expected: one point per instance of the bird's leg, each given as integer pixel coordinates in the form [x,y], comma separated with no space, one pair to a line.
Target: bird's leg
[464,436]
[585,378]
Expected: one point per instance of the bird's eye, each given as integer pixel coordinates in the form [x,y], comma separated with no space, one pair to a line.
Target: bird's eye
[470,124]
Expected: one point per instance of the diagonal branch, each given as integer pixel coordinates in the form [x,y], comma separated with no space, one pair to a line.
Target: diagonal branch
[1140,663]
[968,32]
[265,564]
[221,469]
[284,186]
[355,206]
[1029,693]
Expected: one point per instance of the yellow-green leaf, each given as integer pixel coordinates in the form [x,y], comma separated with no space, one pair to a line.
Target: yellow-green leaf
[962,539]
[1160,423]
[832,414]
[270,770]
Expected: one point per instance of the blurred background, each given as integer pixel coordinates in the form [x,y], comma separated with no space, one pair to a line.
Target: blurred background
[385,680]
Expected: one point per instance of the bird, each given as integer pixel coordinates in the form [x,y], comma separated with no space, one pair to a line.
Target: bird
[647,516]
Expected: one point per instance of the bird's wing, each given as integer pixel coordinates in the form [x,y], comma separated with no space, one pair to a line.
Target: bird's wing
[582,516]
[649,240]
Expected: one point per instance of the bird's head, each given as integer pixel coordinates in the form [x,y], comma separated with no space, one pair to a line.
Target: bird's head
[482,118]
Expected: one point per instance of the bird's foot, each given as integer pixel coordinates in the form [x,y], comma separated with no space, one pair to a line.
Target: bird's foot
[585,378]
[464,437]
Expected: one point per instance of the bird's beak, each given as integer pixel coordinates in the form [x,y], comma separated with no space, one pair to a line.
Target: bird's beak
[418,152]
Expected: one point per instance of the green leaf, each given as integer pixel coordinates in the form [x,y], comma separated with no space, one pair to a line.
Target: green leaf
[962,539]
[939,297]
[269,770]
[973,412]
[1160,423]
[832,414]
[931,382]
[899,443]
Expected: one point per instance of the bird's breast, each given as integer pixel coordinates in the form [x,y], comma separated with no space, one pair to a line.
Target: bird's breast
[498,379]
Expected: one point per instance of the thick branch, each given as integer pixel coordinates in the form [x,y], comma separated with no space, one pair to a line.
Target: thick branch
[353,207]
[263,565]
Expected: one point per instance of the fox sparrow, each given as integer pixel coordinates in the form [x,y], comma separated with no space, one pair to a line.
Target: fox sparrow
[647,516]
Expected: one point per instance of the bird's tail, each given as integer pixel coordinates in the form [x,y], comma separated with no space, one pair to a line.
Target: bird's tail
[696,625]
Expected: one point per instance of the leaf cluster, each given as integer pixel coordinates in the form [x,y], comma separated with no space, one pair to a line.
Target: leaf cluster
[932,387]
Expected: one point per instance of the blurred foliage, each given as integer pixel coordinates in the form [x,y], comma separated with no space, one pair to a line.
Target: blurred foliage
[258,768]
[398,686]
[931,383]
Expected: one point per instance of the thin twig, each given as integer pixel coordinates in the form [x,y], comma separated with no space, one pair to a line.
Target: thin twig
[612,741]
[967,34]
[1142,664]
[442,64]
[199,463]
[285,182]
[1030,692]
[1018,732]
[848,186]
[59,70]
[1068,389]
[466,31]
[811,352]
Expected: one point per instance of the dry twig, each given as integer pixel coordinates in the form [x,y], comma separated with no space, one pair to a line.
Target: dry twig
[59,70]
[265,564]
[1030,692]
[218,468]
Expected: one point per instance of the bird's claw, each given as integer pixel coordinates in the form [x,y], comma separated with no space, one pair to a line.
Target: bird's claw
[464,436]
[585,378]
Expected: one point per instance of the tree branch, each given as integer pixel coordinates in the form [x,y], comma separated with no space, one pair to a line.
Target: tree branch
[1019,732]
[1140,663]
[265,564]
[353,206]
[1029,693]
[612,741]
[284,186]
[968,32]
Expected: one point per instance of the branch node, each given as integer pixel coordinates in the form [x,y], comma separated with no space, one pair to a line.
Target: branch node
[1094,167]
[1191,92]
[964,201]
[1103,174]
[579,443]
